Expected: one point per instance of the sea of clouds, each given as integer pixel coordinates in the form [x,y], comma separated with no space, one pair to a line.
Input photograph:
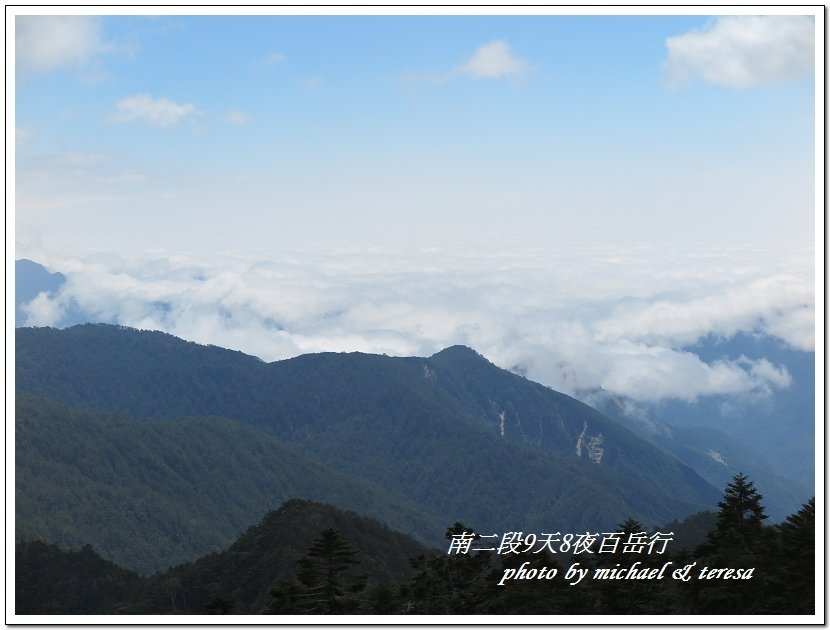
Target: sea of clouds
[573,318]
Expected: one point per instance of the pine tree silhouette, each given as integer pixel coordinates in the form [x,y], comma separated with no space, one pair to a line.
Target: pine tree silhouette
[322,589]
[794,582]
[739,540]
[740,519]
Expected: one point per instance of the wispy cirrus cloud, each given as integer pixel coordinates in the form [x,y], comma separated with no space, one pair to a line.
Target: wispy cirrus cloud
[269,61]
[493,60]
[72,184]
[237,117]
[162,112]
[156,112]
[273,59]
[743,51]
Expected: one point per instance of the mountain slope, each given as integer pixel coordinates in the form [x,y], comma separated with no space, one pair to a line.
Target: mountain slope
[155,493]
[716,456]
[780,425]
[51,580]
[383,420]
[524,412]
[268,552]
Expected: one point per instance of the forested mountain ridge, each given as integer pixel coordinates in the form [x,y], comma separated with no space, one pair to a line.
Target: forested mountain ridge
[268,552]
[311,558]
[417,430]
[50,580]
[296,397]
[150,494]
[529,413]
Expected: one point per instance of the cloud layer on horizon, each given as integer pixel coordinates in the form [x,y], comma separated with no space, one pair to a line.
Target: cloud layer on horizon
[618,320]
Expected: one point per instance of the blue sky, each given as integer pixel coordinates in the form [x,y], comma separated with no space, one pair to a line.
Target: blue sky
[595,192]
[307,126]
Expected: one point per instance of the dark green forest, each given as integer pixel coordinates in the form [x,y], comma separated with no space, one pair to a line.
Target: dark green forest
[152,494]
[310,558]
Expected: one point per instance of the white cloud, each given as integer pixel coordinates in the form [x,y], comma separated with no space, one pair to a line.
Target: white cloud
[44,43]
[494,60]
[794,325]
[158,112]
[43,311]
[567,324]
[743,51]
[237,117]
[737,305]
[766,371]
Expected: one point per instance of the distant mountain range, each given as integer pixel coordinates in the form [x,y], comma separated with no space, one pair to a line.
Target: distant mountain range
[438,439]
[31,280]
[716,455]
[779,426]
[770,436]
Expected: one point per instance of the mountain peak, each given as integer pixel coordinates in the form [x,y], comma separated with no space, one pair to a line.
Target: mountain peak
[457,351]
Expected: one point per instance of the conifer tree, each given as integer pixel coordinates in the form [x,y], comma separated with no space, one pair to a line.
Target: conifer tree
[454,582]
[622,597]
[794,582]
[220,605]
[741,516]
[322,589]
[739,541]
